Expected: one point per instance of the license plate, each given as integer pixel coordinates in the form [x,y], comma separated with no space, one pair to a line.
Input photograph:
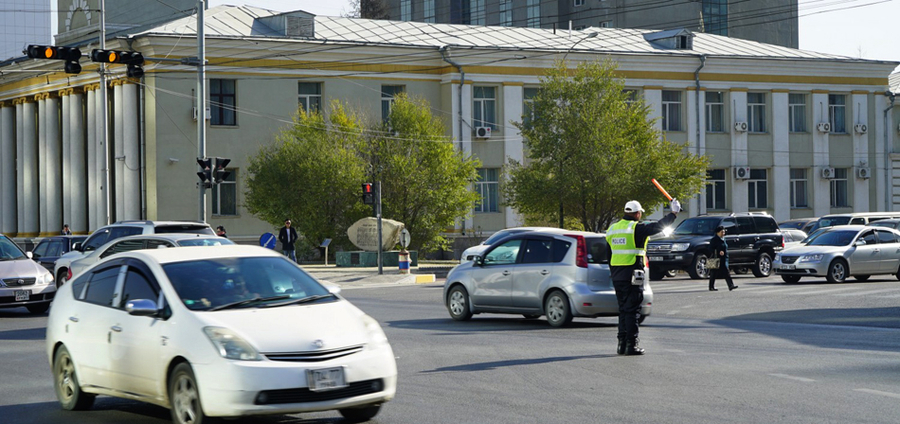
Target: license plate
[325,379]
[656,259]
[22,295]
[789,267]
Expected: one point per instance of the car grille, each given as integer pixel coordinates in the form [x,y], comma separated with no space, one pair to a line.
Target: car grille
[659,247]
[788,259]
[18,282]
[302,395]
[314,356]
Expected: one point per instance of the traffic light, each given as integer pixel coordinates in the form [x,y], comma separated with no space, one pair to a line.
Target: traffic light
[134,60]
[206,176]
[220,173]
[70,54]
[368,195]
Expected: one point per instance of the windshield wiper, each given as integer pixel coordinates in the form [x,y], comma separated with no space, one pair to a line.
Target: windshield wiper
[306,299]
[248,302]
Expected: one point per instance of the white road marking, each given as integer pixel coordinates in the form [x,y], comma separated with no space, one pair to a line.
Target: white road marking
[878,392]
[866,293]
[791,377]
[826,291]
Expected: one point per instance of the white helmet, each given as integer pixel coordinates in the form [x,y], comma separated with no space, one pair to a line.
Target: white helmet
[633,206]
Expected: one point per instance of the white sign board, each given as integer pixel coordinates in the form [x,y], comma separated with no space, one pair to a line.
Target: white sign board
[404,238]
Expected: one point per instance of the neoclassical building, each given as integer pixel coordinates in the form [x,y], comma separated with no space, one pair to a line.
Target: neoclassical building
[789,132]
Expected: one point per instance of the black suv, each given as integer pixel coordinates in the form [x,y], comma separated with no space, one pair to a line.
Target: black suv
[752,237]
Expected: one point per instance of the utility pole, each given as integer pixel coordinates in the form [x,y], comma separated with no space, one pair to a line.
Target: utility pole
[378,216]
[104,103]
[201,100]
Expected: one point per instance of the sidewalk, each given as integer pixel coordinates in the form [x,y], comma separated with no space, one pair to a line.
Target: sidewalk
[350,277]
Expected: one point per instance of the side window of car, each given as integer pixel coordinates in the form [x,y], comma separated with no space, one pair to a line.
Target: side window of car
[98,239]
[123,246]
[869,237]
[102,286]
[504,254]
[745,225]
[58,248]
[119,232]
[156,244]
[730,226]
[765,224]
[886,237]
[41,249]
[137,286]
[858,221]
[538,251]
[79,284]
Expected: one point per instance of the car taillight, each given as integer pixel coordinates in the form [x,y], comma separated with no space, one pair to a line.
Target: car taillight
[68,274]
[580,251]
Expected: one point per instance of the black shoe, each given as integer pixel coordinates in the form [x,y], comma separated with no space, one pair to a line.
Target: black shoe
[620,350]
[632,348]
[732,288]
[713,289]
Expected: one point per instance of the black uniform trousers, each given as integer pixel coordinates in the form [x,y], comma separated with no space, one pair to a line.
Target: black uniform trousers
[630,298]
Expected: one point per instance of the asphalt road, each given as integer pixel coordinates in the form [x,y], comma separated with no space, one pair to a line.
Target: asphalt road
[767,352]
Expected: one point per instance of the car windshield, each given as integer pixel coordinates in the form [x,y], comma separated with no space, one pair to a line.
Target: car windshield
[832,221]
[831,238]
[184,229]
[222,283]
[888,224]
[211,241]
[697,227]
[9,251]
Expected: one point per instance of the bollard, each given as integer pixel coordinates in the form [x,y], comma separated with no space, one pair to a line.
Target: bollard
[403,261]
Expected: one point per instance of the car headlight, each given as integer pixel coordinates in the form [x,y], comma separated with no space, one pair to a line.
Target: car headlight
[45,278]
[376,334]
[680,247]
[777,257]
[812,258]
[230,345]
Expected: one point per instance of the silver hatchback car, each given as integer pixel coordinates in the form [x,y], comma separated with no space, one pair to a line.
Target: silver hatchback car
[561,274]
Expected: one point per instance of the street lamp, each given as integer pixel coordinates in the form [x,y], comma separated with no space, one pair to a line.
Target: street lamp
[590,35]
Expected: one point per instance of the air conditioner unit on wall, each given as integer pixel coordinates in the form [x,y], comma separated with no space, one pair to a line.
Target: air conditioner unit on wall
[741,172]
[828,173]
[483,132]
[861,128]
[824,127]
[740,126]
[194,113]
[863,172]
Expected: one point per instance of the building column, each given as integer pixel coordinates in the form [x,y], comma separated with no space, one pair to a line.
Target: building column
[104,214]
[131,150]
[77,215]
[20,164]
[118,159]
[821,187]
[92,168]
[8,169]
[881,168]
[43,163]
[739,157]
[28,176]
[52,171]
[859,107]
[781,158]
[696,134]
[65,100]
[653,100]
[513,102]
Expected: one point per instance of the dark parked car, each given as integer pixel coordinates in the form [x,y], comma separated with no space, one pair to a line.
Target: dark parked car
[51,248]
[802,224]
[889,223]
[753,239]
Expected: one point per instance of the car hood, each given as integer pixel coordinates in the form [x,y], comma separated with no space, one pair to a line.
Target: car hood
[24,267]
[810,250]
[295,328]
[474,250]
[70,256]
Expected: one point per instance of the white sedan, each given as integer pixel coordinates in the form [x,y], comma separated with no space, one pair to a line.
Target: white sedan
[226,331]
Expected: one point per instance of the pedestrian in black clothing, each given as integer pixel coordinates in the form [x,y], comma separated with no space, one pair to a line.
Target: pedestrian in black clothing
[220,231]
[719,249]
[66,231]
[288,236]
[627,240]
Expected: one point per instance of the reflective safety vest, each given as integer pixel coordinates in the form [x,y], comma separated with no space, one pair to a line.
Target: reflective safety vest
[620,237]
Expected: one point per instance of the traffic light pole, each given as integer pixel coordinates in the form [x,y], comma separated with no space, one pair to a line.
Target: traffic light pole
[104,102]
[378,216]
[201,100]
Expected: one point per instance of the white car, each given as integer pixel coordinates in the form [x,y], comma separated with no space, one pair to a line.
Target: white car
[469,254]
[23,282]
[216,332]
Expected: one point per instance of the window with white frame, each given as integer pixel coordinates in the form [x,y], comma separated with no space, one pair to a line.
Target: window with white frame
[428,11]
[506,13]
[309,96]
[715,189]
[224,195]
[757,189]
[528,95]
[405,10]
[671,110]
[476,12]
[388,92]
[715,111]
[579,3]
[797,112]
[605,24]
[798,188]
[484,107]
[533,13]
[488,188]
[839,195]
[756,112]
[837,113]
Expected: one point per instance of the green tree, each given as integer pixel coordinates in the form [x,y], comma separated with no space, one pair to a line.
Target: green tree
[425,180]
[589,150]
[312,174]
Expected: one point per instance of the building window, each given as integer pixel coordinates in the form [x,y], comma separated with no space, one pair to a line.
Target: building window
[837,113]
[756,112]
[428,11]
[606,24]
[388,92]
[529,94]
[839,188]
[506,13]
[477,12]
[224,195]
[222,102]
[798,188]
[533,13]
[405,10]
[715,111]
[797,112]
[488,188]
[715,189]
[484,107]
[579,3]
[631,95]
[715,17]
[757,190]
[671,110]
[309,96]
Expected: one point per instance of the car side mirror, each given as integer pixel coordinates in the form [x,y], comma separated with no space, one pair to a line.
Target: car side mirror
[141,307]
[860,243]
[76,246]
[30,255]
[479,260]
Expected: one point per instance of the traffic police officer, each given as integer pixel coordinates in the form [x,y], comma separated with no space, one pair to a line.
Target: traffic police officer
[627,268]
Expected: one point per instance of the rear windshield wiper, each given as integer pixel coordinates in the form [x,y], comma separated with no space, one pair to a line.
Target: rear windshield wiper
[306,299]
[248,302]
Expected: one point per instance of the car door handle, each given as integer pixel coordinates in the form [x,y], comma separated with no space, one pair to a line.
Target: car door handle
[506,273]
[73,319]
[544,272]
[116,328]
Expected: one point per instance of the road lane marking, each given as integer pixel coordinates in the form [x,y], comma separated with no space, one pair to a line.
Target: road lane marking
[791,377]
[826,291]
[868,292]
[878,392]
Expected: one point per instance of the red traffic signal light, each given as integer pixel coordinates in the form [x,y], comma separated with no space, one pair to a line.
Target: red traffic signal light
[70,54]
[368,195]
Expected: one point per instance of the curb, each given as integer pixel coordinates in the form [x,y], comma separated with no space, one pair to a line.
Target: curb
[417,279]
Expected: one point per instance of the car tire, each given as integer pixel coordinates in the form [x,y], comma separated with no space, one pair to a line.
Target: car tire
[657,274]
[38,308]
[837,271]
[741,270]
[184,396]
[672,273]
[790,278]
[763,265]
[641,319]
[61,277]
[358,415]
[458,303]
[698,270]
[557,309]
[861,277]
[531,316]
[68,389]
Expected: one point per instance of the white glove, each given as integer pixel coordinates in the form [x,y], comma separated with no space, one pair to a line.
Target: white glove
[675,206]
